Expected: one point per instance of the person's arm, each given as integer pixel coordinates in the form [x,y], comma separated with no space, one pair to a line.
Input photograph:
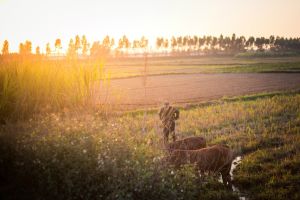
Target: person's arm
[160,113]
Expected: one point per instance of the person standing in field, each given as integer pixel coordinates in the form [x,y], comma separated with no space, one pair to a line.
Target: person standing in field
[168,115]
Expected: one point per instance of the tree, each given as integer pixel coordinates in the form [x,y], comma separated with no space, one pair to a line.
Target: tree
[250,42]
[5,48]
[106,42]
[120,43]
[126,42]
[112,42]
[166,43]
[143,42]
[214,42]
[259,43]
[25,49]
[159,42]
[71,50]
[37,50]
[21,48]
[221,42]
[135,44]
[208,41]
[77,44]
[173,43]
[48,49]
[240,44]
[179,42]
[201,42]
[184,42]
[85,45]
[195,42]
[271,41]
[57,45]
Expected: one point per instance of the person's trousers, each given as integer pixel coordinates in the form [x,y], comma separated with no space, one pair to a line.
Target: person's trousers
[169,128]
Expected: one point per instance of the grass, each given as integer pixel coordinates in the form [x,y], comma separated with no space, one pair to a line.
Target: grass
[266,54]
[36,85]
[135,71]
[68,156]
[56,142]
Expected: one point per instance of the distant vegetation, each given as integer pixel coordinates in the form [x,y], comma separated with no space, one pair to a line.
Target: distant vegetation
[174,46]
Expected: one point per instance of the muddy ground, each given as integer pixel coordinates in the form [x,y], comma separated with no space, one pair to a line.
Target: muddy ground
[188,88]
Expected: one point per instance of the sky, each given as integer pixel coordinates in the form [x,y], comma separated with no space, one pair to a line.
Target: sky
[42,21]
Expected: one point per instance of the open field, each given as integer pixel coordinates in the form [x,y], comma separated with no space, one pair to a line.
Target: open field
[190,88]
[196,60]
[132,67]
[64,156]
[58,142]
[149,100]
[38,84]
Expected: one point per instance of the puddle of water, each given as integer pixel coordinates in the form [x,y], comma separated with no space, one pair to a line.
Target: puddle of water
[234,164]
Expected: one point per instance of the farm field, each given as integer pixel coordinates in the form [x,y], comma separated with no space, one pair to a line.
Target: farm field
[189,88]
[120,156]
[186,80]
[59,141]
[149,100]
[132,67]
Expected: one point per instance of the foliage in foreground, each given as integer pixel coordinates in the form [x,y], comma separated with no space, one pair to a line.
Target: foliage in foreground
[56,158]
[66,156]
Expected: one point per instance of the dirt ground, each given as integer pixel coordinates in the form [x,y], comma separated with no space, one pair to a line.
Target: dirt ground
[191,88]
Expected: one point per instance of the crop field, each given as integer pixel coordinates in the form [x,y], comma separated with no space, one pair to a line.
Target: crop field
[58,140]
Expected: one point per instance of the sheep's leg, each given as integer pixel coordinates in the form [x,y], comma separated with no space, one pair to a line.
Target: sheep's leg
[226,176]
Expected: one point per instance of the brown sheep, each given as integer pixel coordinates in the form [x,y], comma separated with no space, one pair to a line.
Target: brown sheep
[217,159]
[190,143]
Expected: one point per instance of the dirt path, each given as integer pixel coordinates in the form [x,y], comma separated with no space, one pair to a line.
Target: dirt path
[196,87]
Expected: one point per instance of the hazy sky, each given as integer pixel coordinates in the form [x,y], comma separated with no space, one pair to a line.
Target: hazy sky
[43,21]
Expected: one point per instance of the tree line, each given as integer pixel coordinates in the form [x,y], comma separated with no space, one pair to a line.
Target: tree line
[181,45]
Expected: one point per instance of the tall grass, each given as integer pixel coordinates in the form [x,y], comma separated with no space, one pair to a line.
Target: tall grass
[37,85]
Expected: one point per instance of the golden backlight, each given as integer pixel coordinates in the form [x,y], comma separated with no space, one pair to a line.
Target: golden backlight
[43,21]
